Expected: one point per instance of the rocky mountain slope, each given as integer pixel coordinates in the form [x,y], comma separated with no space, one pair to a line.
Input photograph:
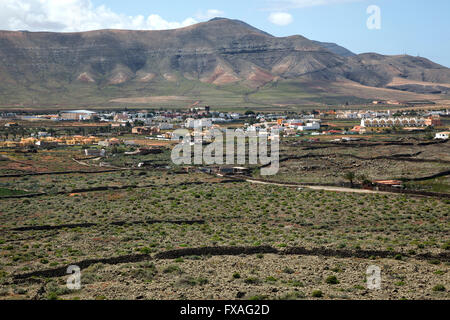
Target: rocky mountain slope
[336,49]
[38,68]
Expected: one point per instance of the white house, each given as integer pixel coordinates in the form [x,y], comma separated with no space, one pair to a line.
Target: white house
[198,123]
[443,135]
[235,116]
[165,126]
[43,134]
[95,152]
[347,115]
[310,126]
[218,120]
[78,115]
[392,122]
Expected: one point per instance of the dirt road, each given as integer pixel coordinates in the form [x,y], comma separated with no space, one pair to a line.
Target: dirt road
[326,188]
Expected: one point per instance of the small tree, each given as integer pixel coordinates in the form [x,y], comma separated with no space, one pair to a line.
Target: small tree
[429,136]
[365,181]
[350,176]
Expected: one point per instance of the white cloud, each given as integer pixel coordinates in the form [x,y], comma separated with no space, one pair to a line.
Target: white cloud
[209,14]
[76,15]
[295,4]
[281,18]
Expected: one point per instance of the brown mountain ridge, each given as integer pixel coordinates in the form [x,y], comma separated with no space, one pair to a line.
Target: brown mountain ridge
[220,55]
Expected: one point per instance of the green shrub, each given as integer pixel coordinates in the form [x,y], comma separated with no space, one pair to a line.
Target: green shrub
[271,279]
[251,280]
[146,273]
[288,270]
[439,288]
[173,269]
[292,296]
[258,298]
[145,250]
[52,296]
[202,281]
[317,294]
[332,280]
[193,281]
[296,283]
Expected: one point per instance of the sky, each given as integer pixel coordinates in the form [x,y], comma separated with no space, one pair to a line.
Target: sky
[414,27]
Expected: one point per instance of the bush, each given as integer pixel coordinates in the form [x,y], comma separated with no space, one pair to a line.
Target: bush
[147,273]
[271,279]
[52,296]
[251,280]
[173,269]
[258,298]
[193,281]
[439,288]
[317,294]
[292,296]
[145,250]
[288,270]
[236,275]
[202,281]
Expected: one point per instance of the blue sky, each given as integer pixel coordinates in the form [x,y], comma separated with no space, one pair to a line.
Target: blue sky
[415,27]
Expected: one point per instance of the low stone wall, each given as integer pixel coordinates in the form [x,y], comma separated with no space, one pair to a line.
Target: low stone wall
[234,251]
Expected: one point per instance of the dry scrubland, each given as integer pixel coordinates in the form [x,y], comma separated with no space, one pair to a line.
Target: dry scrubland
[45,161]
[229,214]
[305,244]
[327,163]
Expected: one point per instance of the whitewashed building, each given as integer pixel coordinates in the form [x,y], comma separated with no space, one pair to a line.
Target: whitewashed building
[393,122]
[310,126]
[197,123]
[95,152]
[443,135]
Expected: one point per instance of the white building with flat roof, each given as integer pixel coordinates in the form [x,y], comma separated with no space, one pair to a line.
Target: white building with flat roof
[78,115]
[198,123]
[309,126]
[392,122]
[443,135]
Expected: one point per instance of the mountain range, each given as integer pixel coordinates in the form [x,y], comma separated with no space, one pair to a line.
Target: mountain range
[221,62]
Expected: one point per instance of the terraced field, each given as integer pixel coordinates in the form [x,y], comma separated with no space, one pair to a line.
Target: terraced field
[337,234]
[327,163]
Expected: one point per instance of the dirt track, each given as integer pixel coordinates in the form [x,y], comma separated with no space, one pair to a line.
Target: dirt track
[326,188]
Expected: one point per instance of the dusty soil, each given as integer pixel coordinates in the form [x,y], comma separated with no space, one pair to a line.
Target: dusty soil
[263,277]
[151,99]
